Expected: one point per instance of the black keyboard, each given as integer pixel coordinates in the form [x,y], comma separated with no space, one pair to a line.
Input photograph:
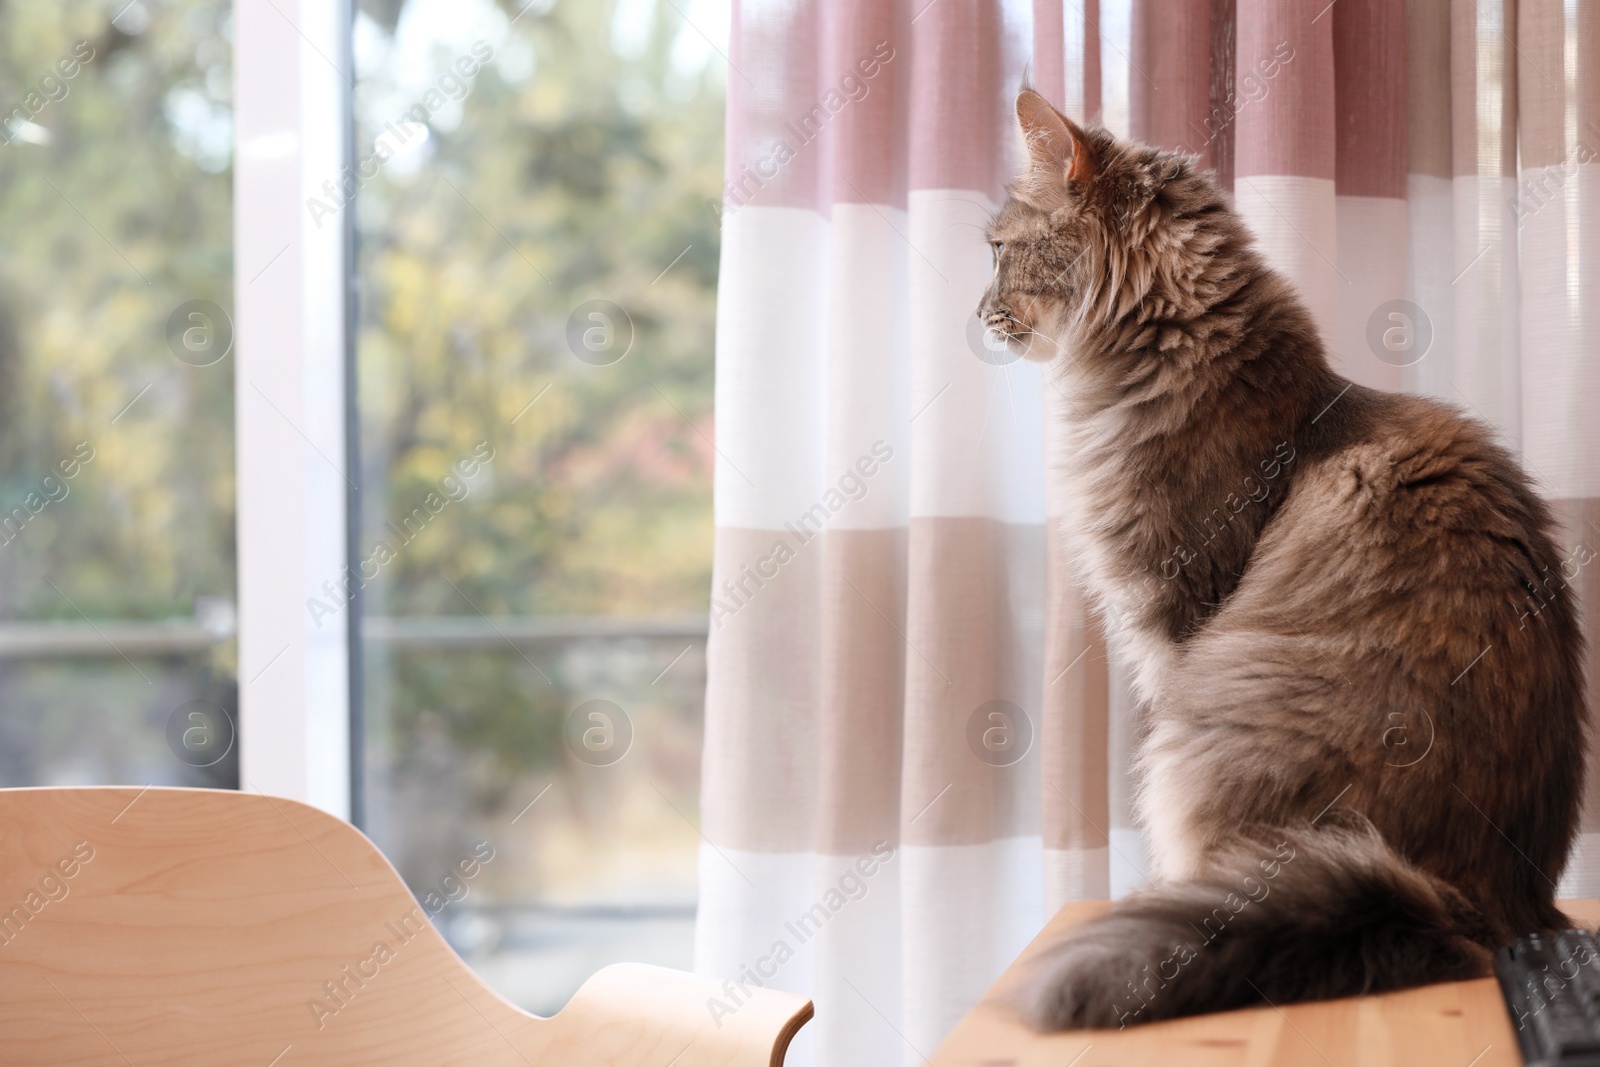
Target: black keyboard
[1551,983]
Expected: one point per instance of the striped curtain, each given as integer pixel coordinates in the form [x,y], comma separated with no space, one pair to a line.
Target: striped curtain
[916,747]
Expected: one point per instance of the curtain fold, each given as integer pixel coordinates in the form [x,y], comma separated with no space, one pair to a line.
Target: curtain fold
[1550,211]
[916,747]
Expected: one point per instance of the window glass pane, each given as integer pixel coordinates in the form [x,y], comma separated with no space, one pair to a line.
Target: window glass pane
[117,663]
[537,269]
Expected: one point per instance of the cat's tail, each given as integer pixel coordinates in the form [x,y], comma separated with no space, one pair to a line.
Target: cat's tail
[1296,915]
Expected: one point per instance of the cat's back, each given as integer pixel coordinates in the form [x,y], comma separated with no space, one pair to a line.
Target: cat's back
[1402,469]
[1409,533]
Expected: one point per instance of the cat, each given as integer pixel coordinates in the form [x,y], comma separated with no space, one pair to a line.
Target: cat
[1351,639]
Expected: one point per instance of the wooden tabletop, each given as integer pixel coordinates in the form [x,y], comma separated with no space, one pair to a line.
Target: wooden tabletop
[1455,1024]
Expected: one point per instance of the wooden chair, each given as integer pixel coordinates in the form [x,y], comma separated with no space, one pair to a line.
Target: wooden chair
[193,926]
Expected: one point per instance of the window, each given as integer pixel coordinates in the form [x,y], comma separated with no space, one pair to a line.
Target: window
[537,267]
[117,662]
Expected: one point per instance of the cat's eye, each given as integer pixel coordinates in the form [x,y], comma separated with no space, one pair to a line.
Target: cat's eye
[998,248]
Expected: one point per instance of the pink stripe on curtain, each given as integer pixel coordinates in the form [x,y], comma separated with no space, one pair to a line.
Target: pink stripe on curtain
[1370,94]
[772,84]
[868,137]
[960,126]
[1288,50]
[1169,89]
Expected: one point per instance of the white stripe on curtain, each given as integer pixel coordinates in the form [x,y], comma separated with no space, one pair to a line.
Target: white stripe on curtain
[976,440]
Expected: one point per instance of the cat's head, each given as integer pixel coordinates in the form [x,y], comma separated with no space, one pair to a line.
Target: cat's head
[1091,227]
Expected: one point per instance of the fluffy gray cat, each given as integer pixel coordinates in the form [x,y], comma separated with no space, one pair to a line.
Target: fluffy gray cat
[1295,567]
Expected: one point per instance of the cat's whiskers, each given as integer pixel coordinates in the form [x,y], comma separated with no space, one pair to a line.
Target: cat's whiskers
[1026,330]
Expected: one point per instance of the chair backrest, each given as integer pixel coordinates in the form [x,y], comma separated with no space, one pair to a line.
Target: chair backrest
[191,926]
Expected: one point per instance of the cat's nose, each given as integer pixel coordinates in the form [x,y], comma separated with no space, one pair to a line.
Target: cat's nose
[988,304]
[992,311]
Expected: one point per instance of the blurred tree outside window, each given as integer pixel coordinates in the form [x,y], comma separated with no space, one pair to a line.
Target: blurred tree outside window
[117,662]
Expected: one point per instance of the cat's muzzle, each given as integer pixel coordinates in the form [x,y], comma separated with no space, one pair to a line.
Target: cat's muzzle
[1002,322]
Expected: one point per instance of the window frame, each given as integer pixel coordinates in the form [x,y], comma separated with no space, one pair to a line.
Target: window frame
[297,476]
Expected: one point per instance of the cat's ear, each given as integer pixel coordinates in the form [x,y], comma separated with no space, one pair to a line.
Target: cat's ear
[1055,145]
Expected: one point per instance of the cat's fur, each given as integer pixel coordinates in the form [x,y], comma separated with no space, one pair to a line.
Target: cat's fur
[1347,620]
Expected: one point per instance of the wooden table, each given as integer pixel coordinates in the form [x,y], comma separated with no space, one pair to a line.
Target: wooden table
[1455,1024]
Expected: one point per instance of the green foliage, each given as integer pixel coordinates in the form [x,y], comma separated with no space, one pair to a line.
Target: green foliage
[551,191]
[120,215]
[585,180]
